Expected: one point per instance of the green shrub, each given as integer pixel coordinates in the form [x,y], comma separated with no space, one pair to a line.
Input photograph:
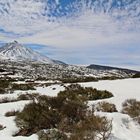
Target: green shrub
[23,97]
[27,96]
[65,113]
[36,116]
[86,93]
[106,107]
[4,84]
[137,75]
[78,79]
[23,87]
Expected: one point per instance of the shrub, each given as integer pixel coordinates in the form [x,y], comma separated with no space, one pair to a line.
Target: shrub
[11,113]
[78,79]
[2,127]
[93,127]
[59,116]
[27,96]
[88,92]
[51,134]
[23,97]
[36,116]
[137,75]
[2,91]
[4,83]
[47,112]
[105,107]
[23,87]
[7,100]
[132,108]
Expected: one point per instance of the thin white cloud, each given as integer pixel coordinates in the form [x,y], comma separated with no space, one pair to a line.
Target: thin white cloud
[27,22]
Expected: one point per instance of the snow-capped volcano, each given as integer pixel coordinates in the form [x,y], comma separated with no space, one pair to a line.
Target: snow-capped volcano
[17,52]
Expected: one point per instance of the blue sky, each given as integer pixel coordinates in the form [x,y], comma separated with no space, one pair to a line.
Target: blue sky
[76,31]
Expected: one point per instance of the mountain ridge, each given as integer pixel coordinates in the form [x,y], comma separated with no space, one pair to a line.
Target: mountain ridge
[106,68]
[17,52]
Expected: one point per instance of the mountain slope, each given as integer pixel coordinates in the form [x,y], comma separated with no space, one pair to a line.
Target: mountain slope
[17,52]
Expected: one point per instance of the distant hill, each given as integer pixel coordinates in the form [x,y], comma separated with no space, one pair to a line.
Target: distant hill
[108,68]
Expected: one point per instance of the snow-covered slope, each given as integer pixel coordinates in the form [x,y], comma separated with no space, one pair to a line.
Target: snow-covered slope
[17,52]
[124,128]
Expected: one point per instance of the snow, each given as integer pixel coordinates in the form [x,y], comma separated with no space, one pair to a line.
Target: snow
[17,52]
[50,90]
[124,128]
[121,89]
[48,81]
[8,122]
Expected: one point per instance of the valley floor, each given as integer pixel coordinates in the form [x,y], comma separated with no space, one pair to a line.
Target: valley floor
[124,128]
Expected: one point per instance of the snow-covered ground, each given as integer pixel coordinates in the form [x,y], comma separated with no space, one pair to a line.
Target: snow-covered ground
[121,89]
[124,128]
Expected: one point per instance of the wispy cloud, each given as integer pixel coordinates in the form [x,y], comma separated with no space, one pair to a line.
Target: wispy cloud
[78,36]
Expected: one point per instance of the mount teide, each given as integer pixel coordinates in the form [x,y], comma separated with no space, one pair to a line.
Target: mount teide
[16,52]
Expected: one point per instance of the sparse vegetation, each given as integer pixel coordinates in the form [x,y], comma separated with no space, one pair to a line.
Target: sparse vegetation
[132,108]
[88,92]
[23,87]
[4,85]
[51,134]
[7,100]
[137,75]
[11,113]
[61,115]
[2,91]
[78,79]
[105,107]
[1,127]
[27,96]
[93,127]
[19,98]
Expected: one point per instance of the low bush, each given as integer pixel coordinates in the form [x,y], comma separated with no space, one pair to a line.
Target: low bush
[88,92]
[137,75]
[132,108]
[11,113]
[4,83]
[27,96]
[2,91]
[23,87]
[105,107]
[1,127]
[93,127]
[23,97]
[19,98]
[36,116]
[51,134]
[78,79]
[7,100]
[59,116]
